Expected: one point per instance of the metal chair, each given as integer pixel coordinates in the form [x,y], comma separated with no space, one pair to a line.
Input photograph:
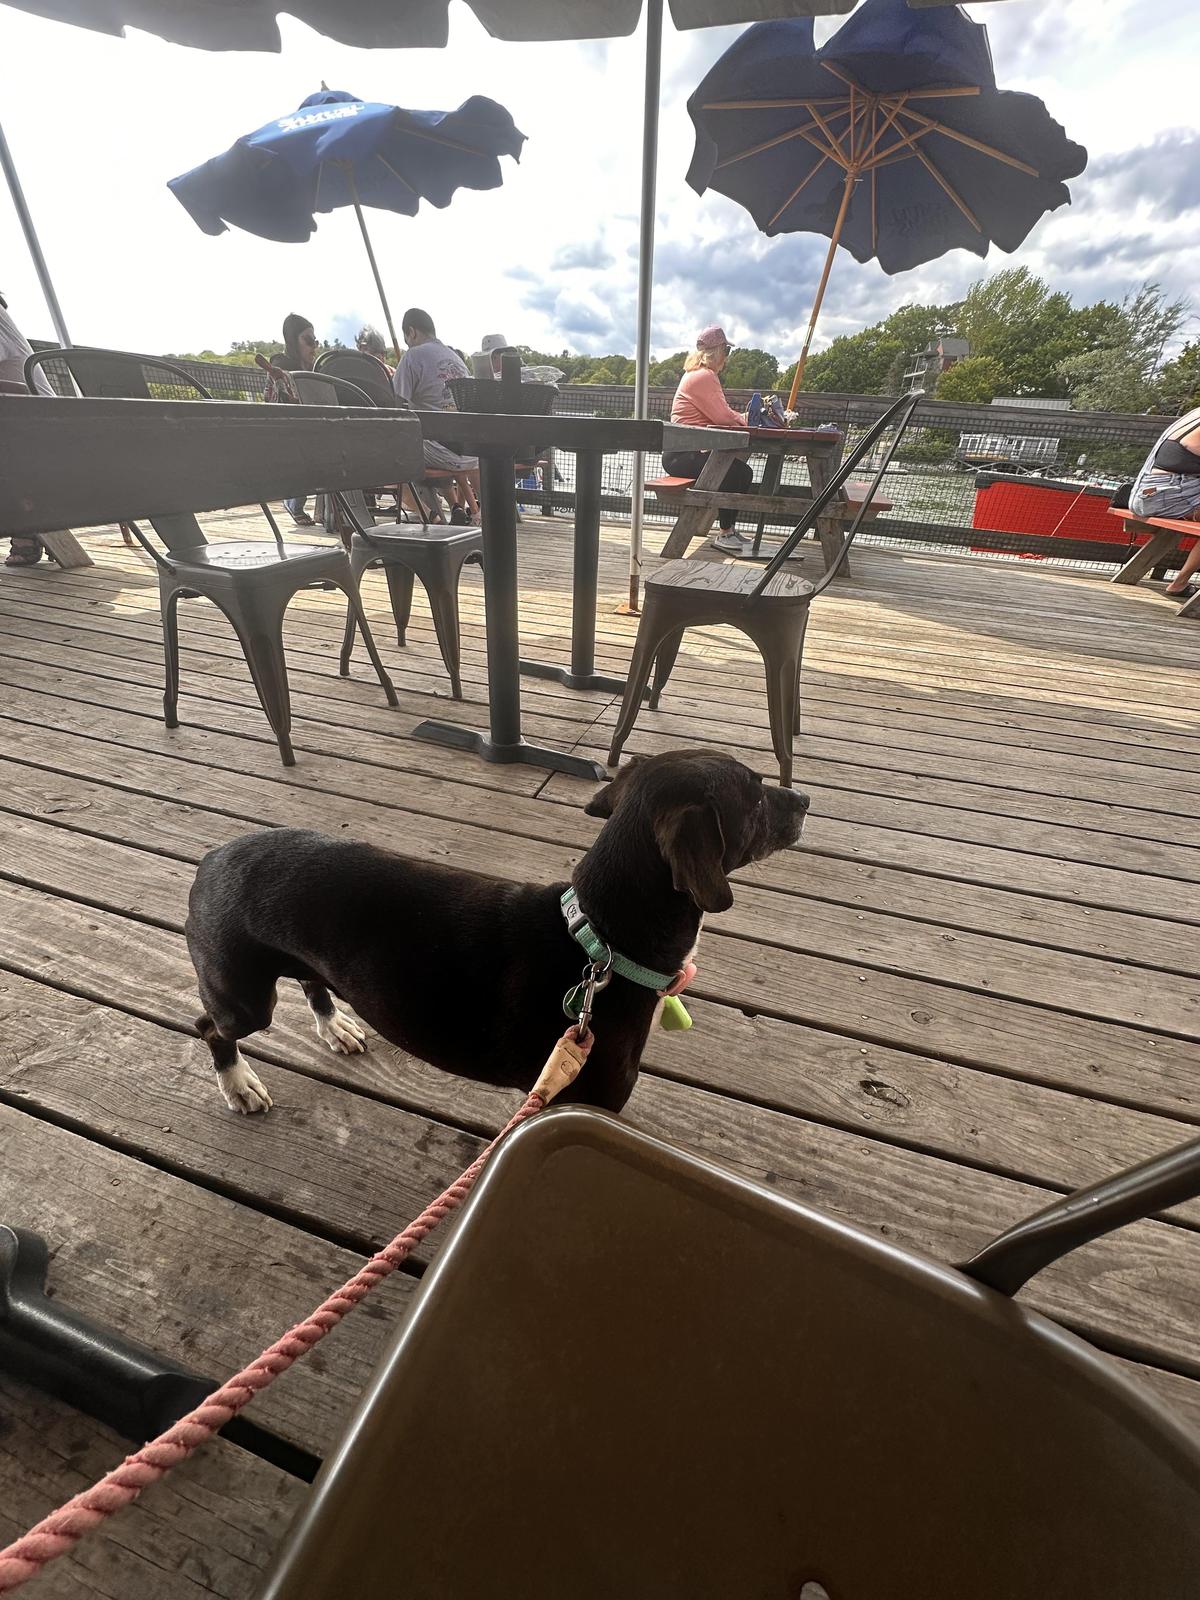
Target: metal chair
[632,1373]
[250,581]
[366,372]
[435,553]
[771,606]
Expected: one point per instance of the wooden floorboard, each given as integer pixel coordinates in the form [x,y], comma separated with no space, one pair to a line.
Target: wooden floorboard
[975,986]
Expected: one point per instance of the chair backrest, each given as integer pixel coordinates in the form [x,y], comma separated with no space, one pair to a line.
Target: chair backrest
[900,412]
[326,388]
[367,372]
[99,374]
[758,1396]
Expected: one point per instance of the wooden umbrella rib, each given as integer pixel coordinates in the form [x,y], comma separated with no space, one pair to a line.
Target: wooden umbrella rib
[944,94]
[839,155]
[839,72]
[437,138]
[948,187]
[806,179]
[878,131]
[772,105]
[932,125]
[399,177]
[767,144]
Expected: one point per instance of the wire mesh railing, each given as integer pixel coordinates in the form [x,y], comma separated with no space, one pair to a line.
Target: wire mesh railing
[1001,480]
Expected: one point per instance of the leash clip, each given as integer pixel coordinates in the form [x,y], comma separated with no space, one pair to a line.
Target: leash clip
[579,1002]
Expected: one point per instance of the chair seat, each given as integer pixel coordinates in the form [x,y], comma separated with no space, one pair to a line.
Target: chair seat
[250,555]
[727,580]
[412,534]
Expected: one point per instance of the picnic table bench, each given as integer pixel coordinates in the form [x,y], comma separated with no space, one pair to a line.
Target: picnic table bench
[701,498]
[1163,536]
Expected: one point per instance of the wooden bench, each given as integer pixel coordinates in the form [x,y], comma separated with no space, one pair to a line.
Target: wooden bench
[1162,536]
[673,491]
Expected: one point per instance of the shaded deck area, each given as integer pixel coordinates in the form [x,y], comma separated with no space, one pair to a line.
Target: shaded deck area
[976,986]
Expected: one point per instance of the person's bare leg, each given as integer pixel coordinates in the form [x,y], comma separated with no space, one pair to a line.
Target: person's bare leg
[1191,565]
[468,485]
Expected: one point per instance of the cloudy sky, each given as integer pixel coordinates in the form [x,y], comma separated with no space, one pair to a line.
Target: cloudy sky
[97,125]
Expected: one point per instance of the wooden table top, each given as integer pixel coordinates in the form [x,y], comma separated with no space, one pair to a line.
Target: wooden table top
[81,463]
[794,439]
[479,430]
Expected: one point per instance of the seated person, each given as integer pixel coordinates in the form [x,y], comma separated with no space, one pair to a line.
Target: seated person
[700,403]
[24,551]
[425,369]
[370,341]
[1169,486]
[493,347]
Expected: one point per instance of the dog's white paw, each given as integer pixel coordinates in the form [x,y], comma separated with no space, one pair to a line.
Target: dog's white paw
[342,1033]
[243,1089]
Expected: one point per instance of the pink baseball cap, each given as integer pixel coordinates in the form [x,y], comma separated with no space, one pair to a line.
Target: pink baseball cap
[712,338]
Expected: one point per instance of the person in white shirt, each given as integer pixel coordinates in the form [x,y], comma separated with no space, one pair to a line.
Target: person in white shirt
[426,368]
[14,347]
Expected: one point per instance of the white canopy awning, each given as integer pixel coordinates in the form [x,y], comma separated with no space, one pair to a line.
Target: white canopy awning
[380,24]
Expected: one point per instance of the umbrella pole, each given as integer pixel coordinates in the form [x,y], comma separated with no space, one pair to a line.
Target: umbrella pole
[641,377]
[383,300]
[851,179]
[31,239]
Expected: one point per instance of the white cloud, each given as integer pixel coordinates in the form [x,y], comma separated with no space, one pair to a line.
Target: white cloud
[97,125]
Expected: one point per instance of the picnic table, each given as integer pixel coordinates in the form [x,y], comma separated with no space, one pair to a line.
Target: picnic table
[1164,535]
[819,448]
[497,439]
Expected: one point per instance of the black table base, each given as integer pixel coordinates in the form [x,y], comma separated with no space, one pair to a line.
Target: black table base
[503,742]
[572,679]
[582,674]
[456,737]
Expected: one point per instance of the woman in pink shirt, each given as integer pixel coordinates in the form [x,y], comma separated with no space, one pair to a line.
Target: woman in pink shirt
[700,403]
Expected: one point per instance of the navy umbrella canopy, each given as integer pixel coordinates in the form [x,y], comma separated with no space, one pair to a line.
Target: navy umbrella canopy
[892,139]
[336,150]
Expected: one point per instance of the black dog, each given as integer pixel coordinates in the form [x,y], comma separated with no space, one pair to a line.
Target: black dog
[468,972]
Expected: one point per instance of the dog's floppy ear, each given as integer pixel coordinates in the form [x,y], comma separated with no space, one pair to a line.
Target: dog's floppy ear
[693,846]
[601,803]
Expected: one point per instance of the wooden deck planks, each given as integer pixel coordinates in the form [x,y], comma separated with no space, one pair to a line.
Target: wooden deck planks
[976,985]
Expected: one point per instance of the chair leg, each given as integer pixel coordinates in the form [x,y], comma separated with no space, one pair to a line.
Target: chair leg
[400,588]
[663,663]
[358,615]
[259,627]
[653,630]
[442,590]
[781,649]
[170,625]
[347,643]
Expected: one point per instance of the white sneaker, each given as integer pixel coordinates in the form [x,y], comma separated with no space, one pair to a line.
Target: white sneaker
[733,543]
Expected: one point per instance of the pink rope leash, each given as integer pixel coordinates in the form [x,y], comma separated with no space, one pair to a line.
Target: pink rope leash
[62,1529]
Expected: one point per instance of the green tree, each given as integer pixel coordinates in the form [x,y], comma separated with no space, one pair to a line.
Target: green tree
[1094,327]
[975,380]
[665,374]
[1178,383]
[751,369]
[1025,326]
[1121,374]
[855,363]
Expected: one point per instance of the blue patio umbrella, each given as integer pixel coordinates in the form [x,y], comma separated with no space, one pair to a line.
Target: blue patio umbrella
[336,150]
[892,139]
